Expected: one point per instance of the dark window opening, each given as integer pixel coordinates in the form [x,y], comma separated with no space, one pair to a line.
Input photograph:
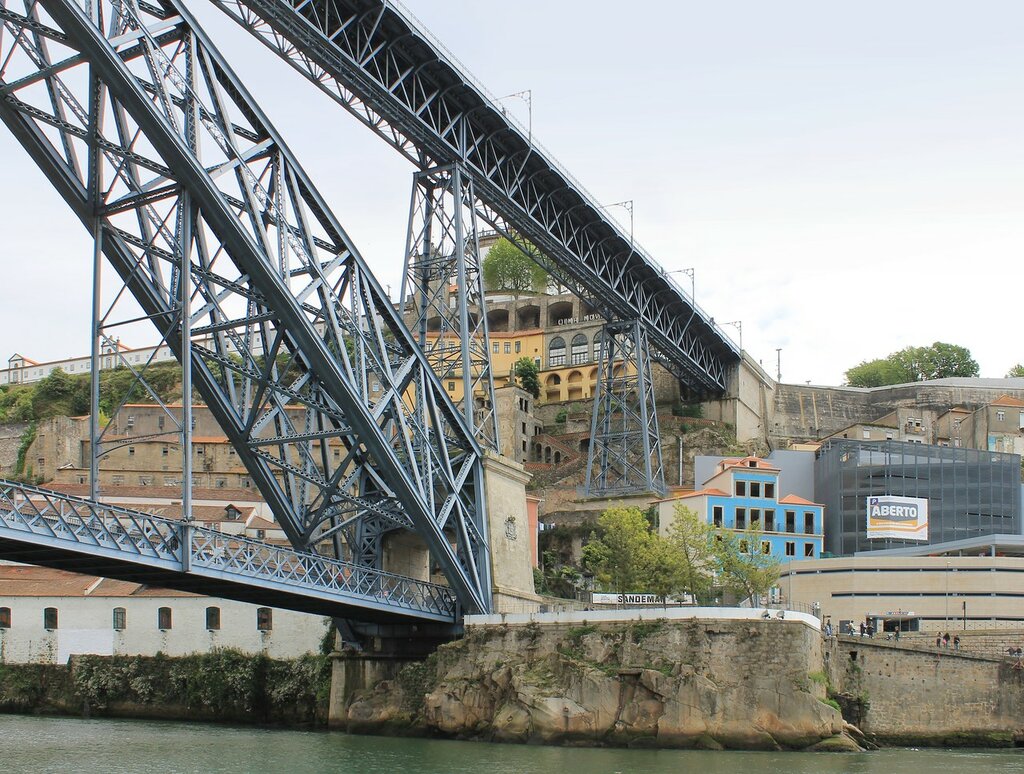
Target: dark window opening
[264,619]
[213,618]
[120,619]
[50,618]
[163,618]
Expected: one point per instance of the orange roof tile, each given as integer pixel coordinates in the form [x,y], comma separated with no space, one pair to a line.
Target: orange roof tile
[1007,400]
[792,499]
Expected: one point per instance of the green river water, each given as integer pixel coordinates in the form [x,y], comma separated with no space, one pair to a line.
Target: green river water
[67,745]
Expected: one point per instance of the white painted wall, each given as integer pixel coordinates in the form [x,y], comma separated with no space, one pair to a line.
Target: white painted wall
[85,625]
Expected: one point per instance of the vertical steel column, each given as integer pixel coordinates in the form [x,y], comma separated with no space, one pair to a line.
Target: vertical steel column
[442,282]
[625,447]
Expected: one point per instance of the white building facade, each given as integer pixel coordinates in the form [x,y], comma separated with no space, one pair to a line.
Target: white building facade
[47,615]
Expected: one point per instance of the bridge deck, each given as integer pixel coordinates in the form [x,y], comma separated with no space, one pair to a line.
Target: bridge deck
[47,528]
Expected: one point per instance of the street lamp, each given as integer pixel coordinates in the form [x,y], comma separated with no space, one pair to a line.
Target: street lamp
[627,205]
[689,273]
[738,325]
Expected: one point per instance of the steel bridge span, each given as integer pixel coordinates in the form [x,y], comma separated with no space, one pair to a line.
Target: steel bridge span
[222,240]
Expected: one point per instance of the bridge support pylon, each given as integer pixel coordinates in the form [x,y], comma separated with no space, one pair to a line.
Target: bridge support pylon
[625,448]
[442,283]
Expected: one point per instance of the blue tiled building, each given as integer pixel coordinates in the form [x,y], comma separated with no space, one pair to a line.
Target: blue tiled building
[744,491]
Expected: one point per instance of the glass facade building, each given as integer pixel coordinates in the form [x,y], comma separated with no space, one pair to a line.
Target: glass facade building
[970,492]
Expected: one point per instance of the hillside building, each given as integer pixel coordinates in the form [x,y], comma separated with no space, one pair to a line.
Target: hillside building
[743,495]
[48,615]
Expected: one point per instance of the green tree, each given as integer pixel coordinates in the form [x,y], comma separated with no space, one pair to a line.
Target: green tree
[620,558]
[508,268]
[528,376]
[692,538]
[744,569]
[914,364]
[1015,372]
[665,568]
[876,373]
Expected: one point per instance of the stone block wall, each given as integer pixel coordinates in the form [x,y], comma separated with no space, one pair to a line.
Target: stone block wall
[923,696]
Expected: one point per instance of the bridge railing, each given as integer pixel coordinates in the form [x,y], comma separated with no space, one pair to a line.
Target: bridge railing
[44,516]
[239,555]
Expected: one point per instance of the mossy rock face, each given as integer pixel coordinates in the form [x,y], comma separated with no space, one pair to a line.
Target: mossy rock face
[837,743]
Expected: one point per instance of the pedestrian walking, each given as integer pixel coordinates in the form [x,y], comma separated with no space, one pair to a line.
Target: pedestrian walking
[945,640]
[956,642]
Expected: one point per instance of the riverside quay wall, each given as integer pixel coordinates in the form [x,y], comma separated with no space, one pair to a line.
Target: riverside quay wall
[916,694]
[690,677]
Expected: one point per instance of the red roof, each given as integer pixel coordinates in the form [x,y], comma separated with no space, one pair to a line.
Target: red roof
[792,499]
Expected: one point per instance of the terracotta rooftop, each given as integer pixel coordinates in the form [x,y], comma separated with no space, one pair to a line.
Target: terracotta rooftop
[744,462]
[792,499]
[169,493]
[27,581]
[1007,400]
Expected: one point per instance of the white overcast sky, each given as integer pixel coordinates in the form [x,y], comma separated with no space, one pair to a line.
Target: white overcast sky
[845,179]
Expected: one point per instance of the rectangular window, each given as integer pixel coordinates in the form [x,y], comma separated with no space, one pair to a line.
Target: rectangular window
[755,517]
[213,618]
[744,549]
[508,348]
[494,348]
[790,521]
[809,550]
[50,618]
[741,518]
[264,619]
[1000,416]
[766,547]
[769,521]
[741,488]
[769,490]
[519,347]
[163,618]
[716,515]
[808,523]
[131,451]
[451,386]
[5,618]
[120,619]
[165,451]
[755,488]
[790,548]
[866,434]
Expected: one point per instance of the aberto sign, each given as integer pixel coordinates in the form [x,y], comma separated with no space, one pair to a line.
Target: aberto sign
[902,518]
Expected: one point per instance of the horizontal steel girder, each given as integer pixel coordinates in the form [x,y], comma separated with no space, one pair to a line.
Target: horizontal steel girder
[111,539]
[141,126]
[375,61]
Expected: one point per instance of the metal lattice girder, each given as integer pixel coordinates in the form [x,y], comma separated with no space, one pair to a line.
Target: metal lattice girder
[371,57]
[139,123]
[111,537]
[442,283]
[625,446]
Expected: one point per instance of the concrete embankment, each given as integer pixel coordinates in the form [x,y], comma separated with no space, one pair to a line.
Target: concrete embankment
[666,678]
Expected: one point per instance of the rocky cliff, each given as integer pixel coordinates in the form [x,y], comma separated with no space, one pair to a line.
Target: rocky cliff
[692,683]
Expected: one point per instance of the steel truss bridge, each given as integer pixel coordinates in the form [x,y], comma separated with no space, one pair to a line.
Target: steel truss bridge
[224,244]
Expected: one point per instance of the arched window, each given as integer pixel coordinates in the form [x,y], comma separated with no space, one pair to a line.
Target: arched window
[556,352]
[120,619]
[163,618]
[264,619]
[50,618]
[5,618]
[580,352]
[213,618]
[599,345]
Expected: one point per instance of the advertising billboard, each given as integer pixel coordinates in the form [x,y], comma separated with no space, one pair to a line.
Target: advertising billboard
[902,518]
